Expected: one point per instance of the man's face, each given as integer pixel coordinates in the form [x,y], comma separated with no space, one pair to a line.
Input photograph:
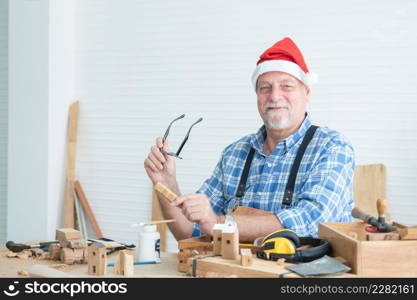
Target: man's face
[282,100]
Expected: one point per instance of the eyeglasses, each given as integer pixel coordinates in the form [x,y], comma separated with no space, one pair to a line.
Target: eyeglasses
[183,142]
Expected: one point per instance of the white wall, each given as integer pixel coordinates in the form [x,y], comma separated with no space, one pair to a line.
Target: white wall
[41,50]
[4,8]
[140,64]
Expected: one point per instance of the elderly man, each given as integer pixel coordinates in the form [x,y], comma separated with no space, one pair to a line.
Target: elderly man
[300,173]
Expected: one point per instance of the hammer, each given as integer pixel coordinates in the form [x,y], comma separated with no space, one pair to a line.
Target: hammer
[379,223]
[14,247]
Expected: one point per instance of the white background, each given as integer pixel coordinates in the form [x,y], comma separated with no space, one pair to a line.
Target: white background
[140,64]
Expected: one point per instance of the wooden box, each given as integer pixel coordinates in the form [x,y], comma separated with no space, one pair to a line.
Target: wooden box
[376,258]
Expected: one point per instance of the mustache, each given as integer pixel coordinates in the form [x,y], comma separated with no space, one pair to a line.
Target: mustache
[275,105]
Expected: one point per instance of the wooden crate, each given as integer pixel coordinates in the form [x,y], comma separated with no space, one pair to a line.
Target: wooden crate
[383,258]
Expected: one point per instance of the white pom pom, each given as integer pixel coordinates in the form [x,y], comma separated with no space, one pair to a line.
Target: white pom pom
[311,79]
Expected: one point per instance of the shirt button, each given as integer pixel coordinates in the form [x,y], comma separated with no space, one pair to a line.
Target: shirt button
[269,165]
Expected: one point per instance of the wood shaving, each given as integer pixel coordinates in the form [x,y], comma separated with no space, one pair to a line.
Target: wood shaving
[11,254]
[23,273]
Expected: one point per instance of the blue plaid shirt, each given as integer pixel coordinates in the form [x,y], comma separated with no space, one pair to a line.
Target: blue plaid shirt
[323,188]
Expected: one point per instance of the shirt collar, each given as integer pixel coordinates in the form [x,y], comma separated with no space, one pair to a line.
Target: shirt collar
[258,139]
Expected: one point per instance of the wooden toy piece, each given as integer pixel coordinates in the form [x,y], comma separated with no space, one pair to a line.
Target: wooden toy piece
[79,255]
[124,263]
[97,259]
[217,238]
[245,257]
[67,256]
[64,235]
[166,192]
[54,251]
[77,244]
[230,243]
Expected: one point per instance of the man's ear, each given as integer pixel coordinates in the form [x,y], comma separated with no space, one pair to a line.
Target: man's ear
[307,93]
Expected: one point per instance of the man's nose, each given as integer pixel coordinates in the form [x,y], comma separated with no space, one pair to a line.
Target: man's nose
[276,94]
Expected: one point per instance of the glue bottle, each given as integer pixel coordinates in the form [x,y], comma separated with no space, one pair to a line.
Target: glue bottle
[149,243]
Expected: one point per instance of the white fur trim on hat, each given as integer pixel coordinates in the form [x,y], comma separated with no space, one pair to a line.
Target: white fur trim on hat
[283,66]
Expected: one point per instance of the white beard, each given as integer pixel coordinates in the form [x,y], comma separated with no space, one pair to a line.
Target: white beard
[271,124]
[282,123]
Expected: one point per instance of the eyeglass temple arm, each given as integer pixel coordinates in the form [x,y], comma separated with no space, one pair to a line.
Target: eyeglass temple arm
[188,134]
[167,131]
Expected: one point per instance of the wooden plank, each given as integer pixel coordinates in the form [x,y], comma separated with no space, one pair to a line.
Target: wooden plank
[157,215]
[165,191]
[258,268]
[70,176]
[87,208]
[369,185]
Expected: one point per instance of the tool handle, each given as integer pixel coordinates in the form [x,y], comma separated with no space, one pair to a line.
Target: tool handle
[359,214]
[381,205]
[14,247]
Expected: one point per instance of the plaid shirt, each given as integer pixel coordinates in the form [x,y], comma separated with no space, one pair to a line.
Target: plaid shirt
[323,188]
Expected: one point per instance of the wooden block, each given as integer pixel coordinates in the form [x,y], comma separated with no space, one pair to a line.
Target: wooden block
[383,236]
[217,240]
[245,257]
[409,233]
[230,243]
[125,263]
[54,251]
[97,260]
[63,235]
[166,192]
[77,244]
[67,256]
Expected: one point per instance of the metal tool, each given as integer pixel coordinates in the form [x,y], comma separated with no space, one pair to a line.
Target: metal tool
[380,223]
[15,247]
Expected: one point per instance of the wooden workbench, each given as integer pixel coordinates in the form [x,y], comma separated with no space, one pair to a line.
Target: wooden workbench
[207,267]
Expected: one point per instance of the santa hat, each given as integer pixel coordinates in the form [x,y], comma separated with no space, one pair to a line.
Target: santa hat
[284,56]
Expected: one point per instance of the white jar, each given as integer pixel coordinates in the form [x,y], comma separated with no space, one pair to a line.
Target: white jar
[149,243]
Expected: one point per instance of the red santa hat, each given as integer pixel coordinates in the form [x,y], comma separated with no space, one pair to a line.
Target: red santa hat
[284,56]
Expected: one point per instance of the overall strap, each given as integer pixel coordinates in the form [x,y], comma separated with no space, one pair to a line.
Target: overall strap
[289,189]
[245,173]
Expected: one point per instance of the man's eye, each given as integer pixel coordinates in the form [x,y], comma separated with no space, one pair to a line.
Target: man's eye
[263,88]
[287,86]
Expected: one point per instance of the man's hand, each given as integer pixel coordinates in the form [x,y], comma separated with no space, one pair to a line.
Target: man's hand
[197,208]
[160,167]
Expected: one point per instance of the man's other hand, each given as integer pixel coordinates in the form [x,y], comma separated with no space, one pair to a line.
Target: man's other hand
[197,208]
[160,167]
